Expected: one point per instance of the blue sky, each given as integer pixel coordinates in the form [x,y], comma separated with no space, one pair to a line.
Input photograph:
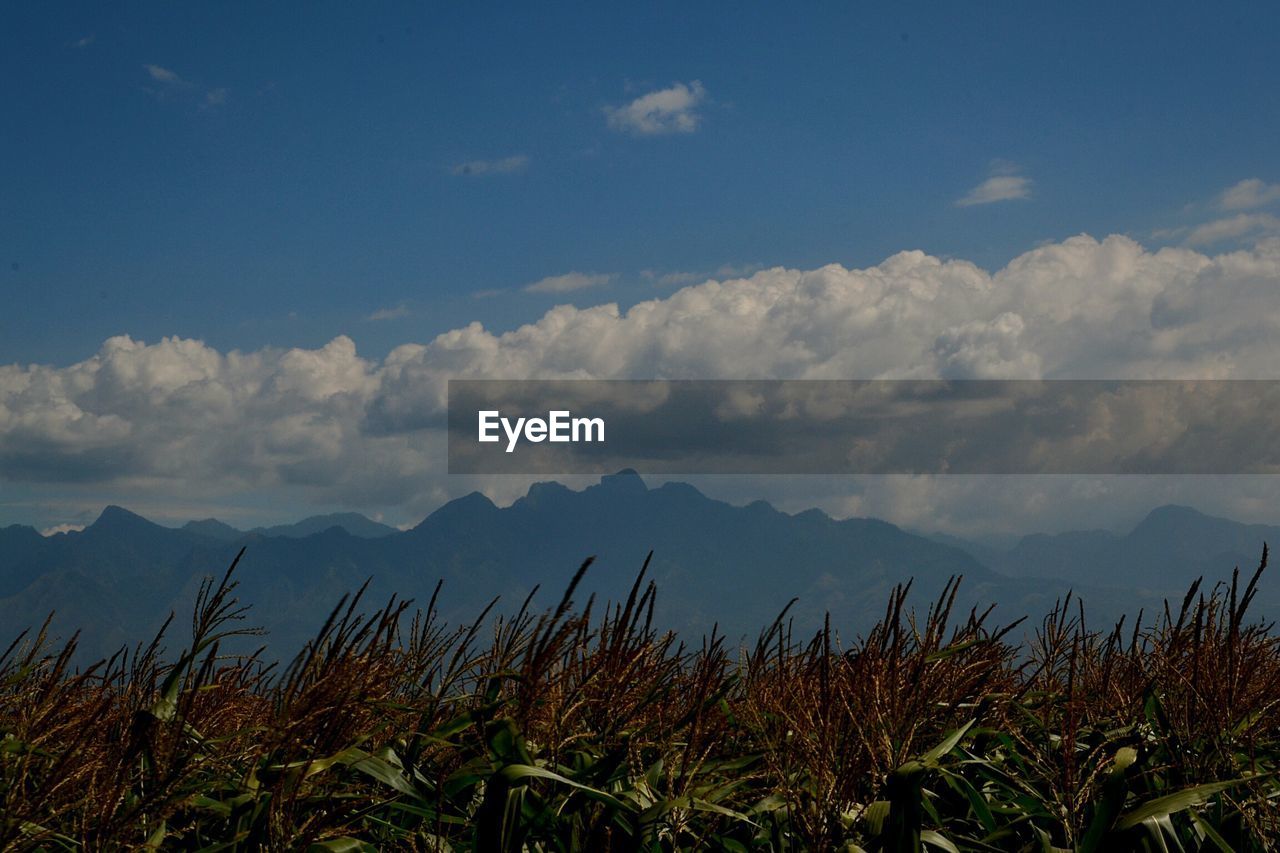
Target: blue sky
[318,185]
[296,175]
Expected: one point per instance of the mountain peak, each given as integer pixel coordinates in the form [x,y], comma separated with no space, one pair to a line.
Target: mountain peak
[213,529]
[1175,511]
[625,481]
[117,518]
[544,491]
[352,522]
[1171,516]
[473,506]
[475,501]
[113,514]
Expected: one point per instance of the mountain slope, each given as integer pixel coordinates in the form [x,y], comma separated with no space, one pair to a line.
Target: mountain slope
[352,522]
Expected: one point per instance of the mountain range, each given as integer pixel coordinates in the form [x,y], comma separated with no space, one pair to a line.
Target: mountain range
[715,564]
[352,522]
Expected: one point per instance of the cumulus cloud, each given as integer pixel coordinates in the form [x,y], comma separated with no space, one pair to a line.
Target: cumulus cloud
[1248,194]
[568,282]
[985,349]
[997,188]
[503,166]
[342,428]
[670,110]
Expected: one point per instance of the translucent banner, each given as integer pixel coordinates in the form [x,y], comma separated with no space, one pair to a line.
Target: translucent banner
[560,427]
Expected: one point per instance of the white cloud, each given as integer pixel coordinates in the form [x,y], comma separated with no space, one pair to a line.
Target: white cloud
[396,313]
[985,349]
[61,528]
[675,277]
[568,282]
[179,417]
[736,270]
[683,277]
[164,75]
[171,83]
[670,110]
[997,188]
[1234,228]
[1163,234]
[1248,194]
[503,166]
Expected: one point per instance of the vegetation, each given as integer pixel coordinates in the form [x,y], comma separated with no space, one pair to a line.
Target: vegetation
[586,728]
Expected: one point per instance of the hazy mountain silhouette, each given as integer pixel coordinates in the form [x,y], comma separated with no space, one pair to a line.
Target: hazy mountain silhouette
[714,563]
[1164,552]
[352,522]
[211,528]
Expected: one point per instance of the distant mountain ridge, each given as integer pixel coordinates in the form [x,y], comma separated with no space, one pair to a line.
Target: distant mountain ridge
[352,522]
[1171,547]
[735,567]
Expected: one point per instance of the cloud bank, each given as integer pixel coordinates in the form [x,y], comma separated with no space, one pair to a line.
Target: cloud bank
[181,416]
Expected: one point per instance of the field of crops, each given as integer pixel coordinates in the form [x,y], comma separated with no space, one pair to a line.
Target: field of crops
[585,728]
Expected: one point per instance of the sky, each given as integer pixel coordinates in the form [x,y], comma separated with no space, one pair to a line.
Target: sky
[241,248]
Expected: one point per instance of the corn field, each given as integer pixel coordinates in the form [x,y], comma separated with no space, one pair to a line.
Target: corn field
[587,728]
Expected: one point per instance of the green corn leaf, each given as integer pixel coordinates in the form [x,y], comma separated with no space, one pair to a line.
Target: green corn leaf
[949,743]
[935,839]
[875,816]
[516,773]
[1115,790]
[977,802]
[1175,802]
[342,845]
[1211,834]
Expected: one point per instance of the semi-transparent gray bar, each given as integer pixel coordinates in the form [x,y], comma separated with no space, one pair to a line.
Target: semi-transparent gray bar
[864,427]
